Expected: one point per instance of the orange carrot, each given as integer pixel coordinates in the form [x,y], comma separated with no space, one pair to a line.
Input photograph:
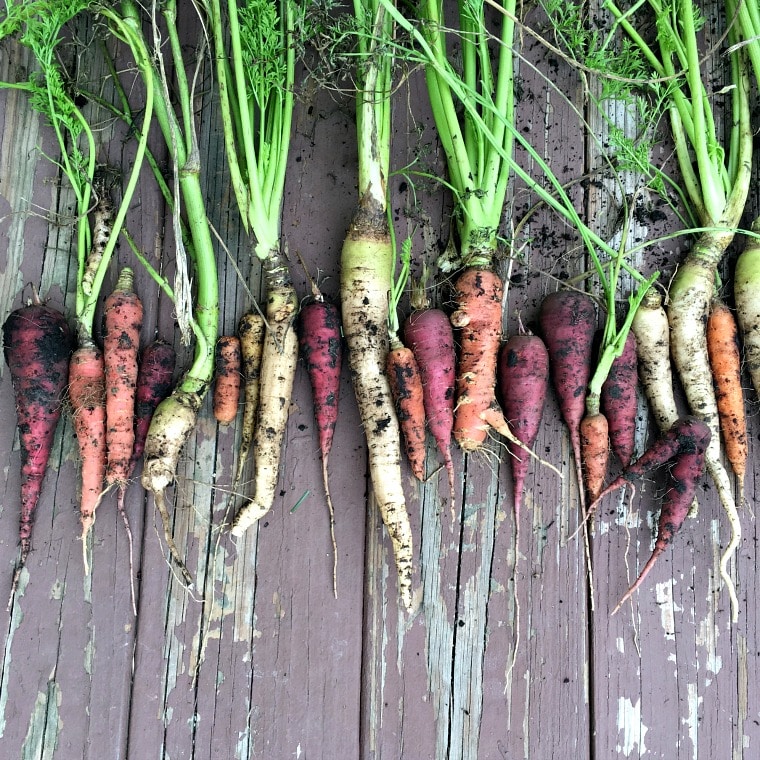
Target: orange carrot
[227,385]
[595,449]
[725,364]
[87,392]
[123,313]
[406,388]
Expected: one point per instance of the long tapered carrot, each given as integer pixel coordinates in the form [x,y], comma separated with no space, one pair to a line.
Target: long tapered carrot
[725,363]
[87,394]
[122,317]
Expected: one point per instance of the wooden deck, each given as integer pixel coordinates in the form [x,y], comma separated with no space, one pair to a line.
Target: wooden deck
[260,660]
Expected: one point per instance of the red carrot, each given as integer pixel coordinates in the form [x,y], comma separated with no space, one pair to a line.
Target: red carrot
[429,335]
[685,474]
[87,394]
[568,320]
[37,344]
[523,380]
[228,378]
[321,346]
[619,403]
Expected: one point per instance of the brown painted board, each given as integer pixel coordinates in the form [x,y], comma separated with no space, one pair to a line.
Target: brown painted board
[503,657]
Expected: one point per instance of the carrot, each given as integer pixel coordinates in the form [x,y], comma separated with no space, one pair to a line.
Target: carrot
[619,403]
[686,436]
[278,367]
[154,383]
[684,476]
[87,394]
[650,326]
[251,333]
[428,333]
[406,389]
[523,380]
[37,344]
[746,290]
[122,316]
[567,320]
[725,363]
[594,435]
[321,345]
[227,385]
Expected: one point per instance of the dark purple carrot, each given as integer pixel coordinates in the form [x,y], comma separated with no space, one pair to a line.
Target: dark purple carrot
[522,381]
[687,435]
[684,476]
[37,344]
[619,403]
[321,347]
[568,322]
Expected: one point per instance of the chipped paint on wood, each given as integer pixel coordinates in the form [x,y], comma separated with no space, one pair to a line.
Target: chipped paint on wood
[631,731]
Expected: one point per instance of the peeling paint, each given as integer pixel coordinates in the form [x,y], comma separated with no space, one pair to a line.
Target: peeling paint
[629,724]
[707,637]
[692,719]
[44,726]
[664,598]
[17,617]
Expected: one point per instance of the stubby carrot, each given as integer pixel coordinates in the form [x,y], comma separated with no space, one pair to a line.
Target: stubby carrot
[594,435]
[87,394]
[406,388]
[725,364]
[227,385]
[37,344]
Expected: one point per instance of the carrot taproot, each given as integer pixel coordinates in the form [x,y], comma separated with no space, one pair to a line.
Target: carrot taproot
[251,329]
[594,436]
[87,394]
[523,381]
[725,364]
[619,403]
[684,476]
[321,346]
[226,395]
[568,320]
[37,344]
[428,333]
[406,389]
[122,319]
